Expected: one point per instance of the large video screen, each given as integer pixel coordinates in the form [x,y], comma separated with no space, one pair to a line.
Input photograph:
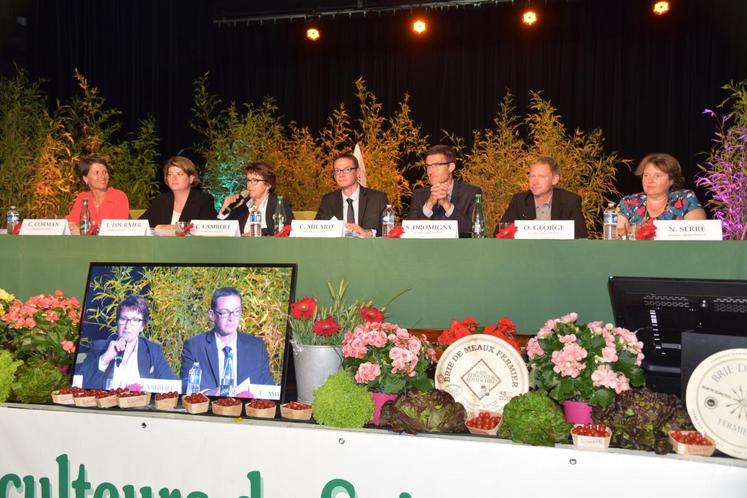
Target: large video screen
[216,329]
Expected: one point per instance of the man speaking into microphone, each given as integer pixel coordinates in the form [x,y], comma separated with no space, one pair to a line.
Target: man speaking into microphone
[126,358]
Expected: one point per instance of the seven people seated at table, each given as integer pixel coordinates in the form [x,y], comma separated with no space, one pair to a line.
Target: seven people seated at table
[445,198]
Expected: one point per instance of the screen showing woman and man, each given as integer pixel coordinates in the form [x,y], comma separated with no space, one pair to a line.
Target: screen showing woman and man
[218,330]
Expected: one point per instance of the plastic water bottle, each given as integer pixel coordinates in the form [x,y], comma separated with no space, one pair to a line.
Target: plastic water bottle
[278,219]
[85,218]
[388,219]
[194,378]
[255,222]
[610,222]
[478,219]
[12,219]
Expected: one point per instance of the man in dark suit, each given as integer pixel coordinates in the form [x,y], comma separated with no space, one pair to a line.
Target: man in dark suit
[358,206]
[126,358]
[543,201]
[228,358]
[445,198]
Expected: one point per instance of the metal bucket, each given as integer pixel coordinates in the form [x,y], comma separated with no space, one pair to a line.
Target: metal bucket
[313,365]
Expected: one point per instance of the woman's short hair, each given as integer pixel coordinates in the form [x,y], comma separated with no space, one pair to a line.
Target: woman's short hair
[264,170]
[667,164]
[184,164]
[135,303]
[85,163]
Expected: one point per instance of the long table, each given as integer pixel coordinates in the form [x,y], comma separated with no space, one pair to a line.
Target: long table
[528,281]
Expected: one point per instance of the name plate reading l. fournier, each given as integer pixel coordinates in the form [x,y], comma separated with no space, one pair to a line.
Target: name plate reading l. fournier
[44,227]
[482,372]
[430,229]
[317,228]
[689,230]
[544,229]
[124,227]
[215,228]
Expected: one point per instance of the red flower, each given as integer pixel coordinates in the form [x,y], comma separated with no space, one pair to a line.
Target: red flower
[326,327]
[456,331]
[304,308]
[371,314]
[506,326]
[284,232]
[395,232]
[507,232]
[646,232]
[504,329]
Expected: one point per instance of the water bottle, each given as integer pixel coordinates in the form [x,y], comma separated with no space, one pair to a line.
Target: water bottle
[255,222]
[278,219]
[478,219]
[12,220]
[85,218]
[610,222]
[388,219]
[194,379]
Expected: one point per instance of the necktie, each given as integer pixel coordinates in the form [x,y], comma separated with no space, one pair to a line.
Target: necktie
[439,213]
[226,381]
[351,214]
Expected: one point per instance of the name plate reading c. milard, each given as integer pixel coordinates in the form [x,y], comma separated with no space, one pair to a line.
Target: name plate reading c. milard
[544,229]
[689,230]
[317,228]
[430,229]
[44,227]
[215,228]
[124,227]
[482,372]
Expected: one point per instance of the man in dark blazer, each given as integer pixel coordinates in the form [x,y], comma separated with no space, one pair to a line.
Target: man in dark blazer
[223,352]
[445,198]
[358,206]
[543,201]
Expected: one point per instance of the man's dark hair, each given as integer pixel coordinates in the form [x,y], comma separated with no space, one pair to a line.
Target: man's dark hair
[447,151]
[554,167]
[223,292]
[347,155]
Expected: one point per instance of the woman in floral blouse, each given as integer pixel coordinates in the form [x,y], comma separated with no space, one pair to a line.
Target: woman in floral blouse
[663,197]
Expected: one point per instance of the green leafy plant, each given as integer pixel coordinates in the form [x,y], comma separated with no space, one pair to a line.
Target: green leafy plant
[424,411]
[8,367]
[533,418]
[340,402]
[36,381]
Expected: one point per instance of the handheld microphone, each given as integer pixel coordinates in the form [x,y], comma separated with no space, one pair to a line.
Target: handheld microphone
[118,359]
[242,197]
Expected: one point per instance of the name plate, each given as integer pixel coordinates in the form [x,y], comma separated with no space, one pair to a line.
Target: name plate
[161,385]
[689,230]
[215,228]
[317,228]
[45,227]
[428,229]
[124,227]
[545,229]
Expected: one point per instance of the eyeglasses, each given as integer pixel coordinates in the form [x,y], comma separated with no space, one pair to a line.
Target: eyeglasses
[253,181]
[124,321]
[225,313]
[340,171]
[433,165]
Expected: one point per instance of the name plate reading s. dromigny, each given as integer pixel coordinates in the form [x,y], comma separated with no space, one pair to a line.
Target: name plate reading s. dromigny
[544,229]
[215,228]
[124,227]
[689,230]
[430,229]
[45,227]
[317,228]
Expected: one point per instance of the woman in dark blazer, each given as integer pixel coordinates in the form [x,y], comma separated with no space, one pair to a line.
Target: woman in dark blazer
[184,202]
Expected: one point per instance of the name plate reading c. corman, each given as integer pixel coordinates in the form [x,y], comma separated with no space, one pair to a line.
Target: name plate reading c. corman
[317,228]
[717,400]
[44,227]
[689,230]
[482,372]
[124,227]
[215,228]
[430,229]
[545,229]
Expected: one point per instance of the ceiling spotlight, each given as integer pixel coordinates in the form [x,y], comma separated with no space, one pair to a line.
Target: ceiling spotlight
[419,26]
[529,17]
[313,34]
[661,8]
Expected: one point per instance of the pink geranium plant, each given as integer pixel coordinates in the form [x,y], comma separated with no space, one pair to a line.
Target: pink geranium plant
[387,358]
[590,363]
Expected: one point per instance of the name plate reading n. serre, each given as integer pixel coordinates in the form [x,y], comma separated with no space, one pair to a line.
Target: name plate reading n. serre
[44,227]
[124,227]
[689,230]
[430,229]
[215,228]
[545,229]
[317,228]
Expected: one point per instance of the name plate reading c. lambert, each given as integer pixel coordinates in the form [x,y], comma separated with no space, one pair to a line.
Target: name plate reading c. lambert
[689,230]
[317,228]
[430,229]
[124,227]
[44,227]
[215,228]
[545,229]
[482,372]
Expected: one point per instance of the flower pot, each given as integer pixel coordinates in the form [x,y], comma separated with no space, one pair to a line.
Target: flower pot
[577,412]
[313,365]
[379,399]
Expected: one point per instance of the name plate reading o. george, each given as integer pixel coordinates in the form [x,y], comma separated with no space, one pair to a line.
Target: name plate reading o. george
[717,400]
[544,229]
[482,372]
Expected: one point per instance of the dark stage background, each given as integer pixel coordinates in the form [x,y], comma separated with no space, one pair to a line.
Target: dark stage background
[606,64]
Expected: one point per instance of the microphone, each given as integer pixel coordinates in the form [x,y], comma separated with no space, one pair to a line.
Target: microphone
[118,359]
[242,197]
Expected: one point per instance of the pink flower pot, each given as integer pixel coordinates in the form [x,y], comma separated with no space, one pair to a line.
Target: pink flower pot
[379,399]
[577,412]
